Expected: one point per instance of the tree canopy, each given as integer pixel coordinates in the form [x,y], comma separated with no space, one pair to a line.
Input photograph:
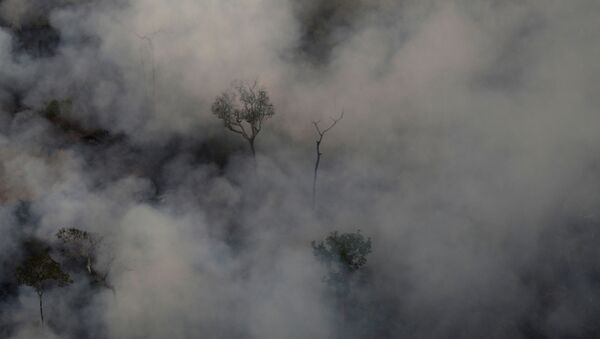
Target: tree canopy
[40,272]
[243,109]
[343,253]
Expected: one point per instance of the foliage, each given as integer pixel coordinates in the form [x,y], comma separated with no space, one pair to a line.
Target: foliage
[72,234]
[343,253]
[243,109]
[39,271]
[243,104]
[80,244]
[55,109]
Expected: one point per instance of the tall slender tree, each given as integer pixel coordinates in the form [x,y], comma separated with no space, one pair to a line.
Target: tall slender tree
[40,272]
[321,134]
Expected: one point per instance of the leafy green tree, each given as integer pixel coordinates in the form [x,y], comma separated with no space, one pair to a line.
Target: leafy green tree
[243,109]
[41,272]
[343,254]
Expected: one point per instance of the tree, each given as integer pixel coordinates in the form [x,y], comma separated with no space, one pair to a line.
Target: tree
[243,109]
[40,272]
[150,40]
[321,134]
[343,254]
[79,244]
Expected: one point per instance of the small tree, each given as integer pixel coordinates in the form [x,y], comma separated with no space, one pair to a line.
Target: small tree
[243,109]
[321,133]
[40,272]
[344,254]
[79,244]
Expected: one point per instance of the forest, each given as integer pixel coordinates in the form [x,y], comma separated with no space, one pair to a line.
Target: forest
[293,169]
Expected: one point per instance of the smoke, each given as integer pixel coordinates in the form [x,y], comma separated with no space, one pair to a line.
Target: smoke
[468,152]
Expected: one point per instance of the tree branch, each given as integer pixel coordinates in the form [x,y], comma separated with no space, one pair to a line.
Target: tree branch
[319,154]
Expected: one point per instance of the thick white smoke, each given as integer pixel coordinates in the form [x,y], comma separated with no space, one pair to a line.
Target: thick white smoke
[468,152]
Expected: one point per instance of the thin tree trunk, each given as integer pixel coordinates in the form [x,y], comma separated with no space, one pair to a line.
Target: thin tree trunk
[314,187]
[41,309]
[153,79]
[114,292]
[89,265]
[251,141]
[319,140]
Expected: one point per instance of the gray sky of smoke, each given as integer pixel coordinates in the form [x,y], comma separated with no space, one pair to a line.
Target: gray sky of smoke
[432,154]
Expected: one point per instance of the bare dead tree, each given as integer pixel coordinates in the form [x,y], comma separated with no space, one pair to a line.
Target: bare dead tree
[149,39]
[243,109]
[321,133]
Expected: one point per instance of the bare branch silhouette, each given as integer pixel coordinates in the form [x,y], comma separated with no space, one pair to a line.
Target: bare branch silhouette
[321,133]
[149,39]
